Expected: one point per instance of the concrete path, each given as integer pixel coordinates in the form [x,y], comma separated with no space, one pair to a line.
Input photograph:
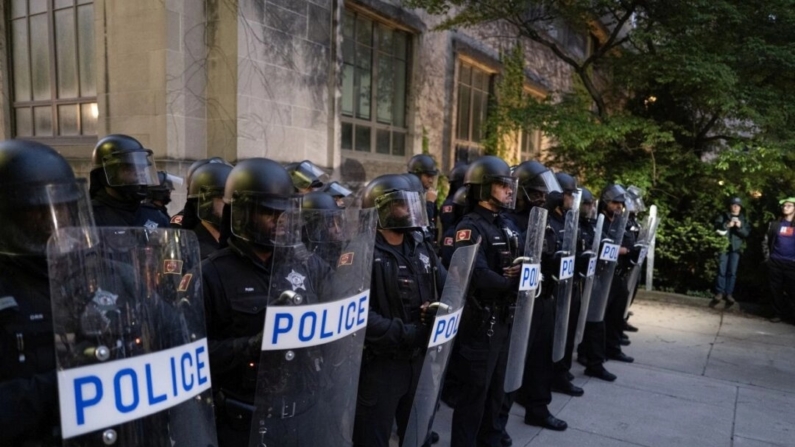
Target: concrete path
[701,377]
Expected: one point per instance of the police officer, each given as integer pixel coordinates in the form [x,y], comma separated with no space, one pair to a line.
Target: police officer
[561,380]
[407,276]
[158,197]
[447,215]
[238,281]
[192,219]
[458,205]
[39,194]
[424,168]
[123,169]
[206,199]
[480,354]
[535,182]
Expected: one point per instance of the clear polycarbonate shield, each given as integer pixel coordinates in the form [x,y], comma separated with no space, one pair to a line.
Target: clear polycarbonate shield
[266,219]
[132,359]
[606,265]
[210,204]
[440,345]
[335,189]
[529,286]
[131,169]
[308,370]
[503,191]
[590,256]
[636,196]
[401,209]
[307,175]
[565,278]
[647,232]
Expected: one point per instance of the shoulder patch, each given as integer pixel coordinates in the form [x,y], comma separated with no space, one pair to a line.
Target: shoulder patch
[172,267]
[448,241]
[447,209]
[463,235]
[176,220]
[185,282]
[345,259]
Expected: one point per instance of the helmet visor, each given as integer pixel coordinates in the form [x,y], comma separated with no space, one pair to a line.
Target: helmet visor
[266,219]
[334,189]
[306,175]
[210,204]
[401,209]
[38,211]
[501,191]
[326,225]
[131,169]
[635,195]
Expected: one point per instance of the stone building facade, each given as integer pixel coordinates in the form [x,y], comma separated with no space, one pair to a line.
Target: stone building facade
[356,86]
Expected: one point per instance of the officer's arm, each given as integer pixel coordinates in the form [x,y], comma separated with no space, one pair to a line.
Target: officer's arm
[482,276]
[383,331]
[27,405]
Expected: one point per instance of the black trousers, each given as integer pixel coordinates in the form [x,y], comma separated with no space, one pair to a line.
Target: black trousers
[782,287]
[614,315]
[386,392]
[564,365]
[536,391]
[592,348]
[477,367]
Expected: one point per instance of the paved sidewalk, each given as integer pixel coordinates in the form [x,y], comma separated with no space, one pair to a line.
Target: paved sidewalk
[700,378]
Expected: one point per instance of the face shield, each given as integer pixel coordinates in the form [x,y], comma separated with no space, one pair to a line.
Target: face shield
[35,212]
[543,183]
[342,195]
[210,204]
[635,195]
[501,191]
[307,176]
[588,210]
[265,219]
[401,209]
[131,169]
[324,226]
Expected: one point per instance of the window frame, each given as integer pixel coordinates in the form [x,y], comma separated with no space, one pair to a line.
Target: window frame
[468,150]
[54,102]
[373,124]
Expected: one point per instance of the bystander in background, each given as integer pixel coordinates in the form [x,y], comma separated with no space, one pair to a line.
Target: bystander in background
[779,249]
[733,225]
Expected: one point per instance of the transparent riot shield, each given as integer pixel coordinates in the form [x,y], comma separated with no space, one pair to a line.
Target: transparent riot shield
[565,278]
[647,231]
[314,328]
[589,275]
[440,345]
[606,266]
[131,349]
[529,281]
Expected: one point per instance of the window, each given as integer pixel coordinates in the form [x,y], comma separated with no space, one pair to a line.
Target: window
[374,77]
[53,68]
[530,145]
[473,86]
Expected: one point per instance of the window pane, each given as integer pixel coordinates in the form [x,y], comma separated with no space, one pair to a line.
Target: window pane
[82,2]
[67,120]
[19,8]
[347,25]
[385,90]
[363,138]
[42,116]
[37,6]
[348,93]
[63,3]
[401,49]
[477,79]
[364,31]
[398,144]
[20,60]
[465,76]
[86,55]
[347,50]
[364,57]
[386,43]
[66,53]
[24,122]
[477,115]
[88,118]
[347,136]
[399,118]
[363,106]
[382,141]
[40,52]
[463,112]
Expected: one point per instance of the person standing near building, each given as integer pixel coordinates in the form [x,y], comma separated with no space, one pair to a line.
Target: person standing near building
[424,168]
[733,225]
[779,250]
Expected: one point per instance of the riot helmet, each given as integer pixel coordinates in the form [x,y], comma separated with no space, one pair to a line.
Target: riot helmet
[306,176]
[587,208]
[322,218]
[122,164]
[569,186]
[424,167]
[459,204]
[398,204]
[40,195]
[339,192]
[489,179]
[612,195]
[634,200]
[535,181]
[162,192]
[263,207]
[207,188]
[457,176]
[199,163]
